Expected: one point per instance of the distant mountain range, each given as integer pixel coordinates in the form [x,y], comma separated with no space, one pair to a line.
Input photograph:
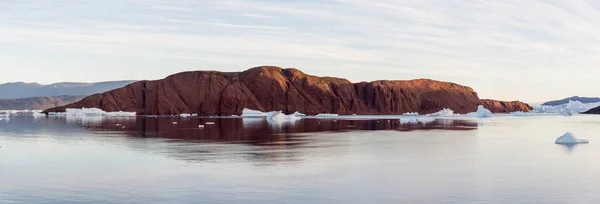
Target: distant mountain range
[37,103]
[21,90]
[574,98]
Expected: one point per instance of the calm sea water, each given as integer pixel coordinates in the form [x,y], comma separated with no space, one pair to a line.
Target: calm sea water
[151,160]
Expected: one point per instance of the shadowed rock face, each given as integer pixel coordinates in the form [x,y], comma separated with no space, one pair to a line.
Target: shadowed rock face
[595,110]
[505,106]
[273,88]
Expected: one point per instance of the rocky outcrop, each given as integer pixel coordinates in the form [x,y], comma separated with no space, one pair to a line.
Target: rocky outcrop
[505,106]
[37,103]
[274,88]
[595,110]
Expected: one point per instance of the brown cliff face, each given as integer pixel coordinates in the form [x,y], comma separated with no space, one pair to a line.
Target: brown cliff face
[505,106]
[37,103]
[273,88]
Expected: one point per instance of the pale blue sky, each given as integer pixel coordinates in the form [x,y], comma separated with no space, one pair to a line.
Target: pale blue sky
[504,49]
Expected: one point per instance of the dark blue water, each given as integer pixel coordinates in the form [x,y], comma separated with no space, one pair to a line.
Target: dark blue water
[150,160]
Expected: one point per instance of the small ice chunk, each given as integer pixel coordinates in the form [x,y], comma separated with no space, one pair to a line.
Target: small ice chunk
[210,123]
[278,116]
[326,115]
[200,126]
[446,112]
[569,138]
[185,115]
[252,113]
[118,124]
[174,123]
[410,113]
[482,112]
[298,114]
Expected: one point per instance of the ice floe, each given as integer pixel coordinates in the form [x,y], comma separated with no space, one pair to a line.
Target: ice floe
[446,112]
[410,114]
[84,112]
[569,138]
[278,116]
[253,113]
[326,115]
[416,120]
[481,112]
[185,115]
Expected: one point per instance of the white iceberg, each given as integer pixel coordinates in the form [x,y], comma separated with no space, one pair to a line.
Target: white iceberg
[446,112]
[410,114]
[416,120]
[278,116]
[185,115]
[569,138]
[327,115]
[481,113]
[567,109]
[252,113]
[83,112]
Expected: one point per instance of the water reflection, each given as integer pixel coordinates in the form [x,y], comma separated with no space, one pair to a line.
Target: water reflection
[254,139]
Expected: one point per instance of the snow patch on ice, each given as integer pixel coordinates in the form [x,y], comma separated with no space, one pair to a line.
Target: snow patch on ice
[480,113]
[569,138]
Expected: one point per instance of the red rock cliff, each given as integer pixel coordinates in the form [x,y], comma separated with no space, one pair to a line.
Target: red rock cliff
[274,88]
[505,106]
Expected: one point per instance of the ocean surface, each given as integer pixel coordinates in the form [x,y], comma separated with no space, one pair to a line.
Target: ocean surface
[151,160]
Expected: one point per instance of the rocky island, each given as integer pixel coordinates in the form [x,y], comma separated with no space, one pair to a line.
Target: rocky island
[268,88]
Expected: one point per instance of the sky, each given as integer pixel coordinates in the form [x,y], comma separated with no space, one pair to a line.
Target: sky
[532,51]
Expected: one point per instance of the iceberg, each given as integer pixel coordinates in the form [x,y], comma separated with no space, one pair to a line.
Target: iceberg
[278,116]
[252,113]
[4,115]
[185,115]
[83,112]
[568,109]
[416,120]
[410,114]
[446,112]
[326,115]
[569,138]
[480,113]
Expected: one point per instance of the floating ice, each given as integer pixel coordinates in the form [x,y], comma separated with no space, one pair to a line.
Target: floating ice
[416,120]
[565,109]
[443,113]
[410,114]
[174,123]
[4,115]
[569,138]
[252,113]
[481,113]
[298,114]
[200,126]
[326,115]
[185,115]
[278,116]
[210,123]
[74,112]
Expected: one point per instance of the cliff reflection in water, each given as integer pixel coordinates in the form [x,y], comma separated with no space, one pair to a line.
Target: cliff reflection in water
[254,130]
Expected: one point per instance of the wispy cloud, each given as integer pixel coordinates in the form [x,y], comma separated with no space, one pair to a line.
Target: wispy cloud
[507,49]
